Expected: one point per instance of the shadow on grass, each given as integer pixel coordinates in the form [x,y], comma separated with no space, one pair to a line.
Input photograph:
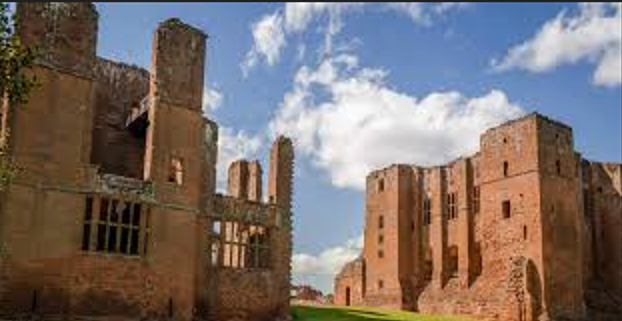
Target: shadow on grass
[308,313]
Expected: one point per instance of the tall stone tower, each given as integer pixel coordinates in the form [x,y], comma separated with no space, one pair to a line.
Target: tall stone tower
[280,187]
[254,181]
[176,146]
[388,235]
[281,173]
[531,212]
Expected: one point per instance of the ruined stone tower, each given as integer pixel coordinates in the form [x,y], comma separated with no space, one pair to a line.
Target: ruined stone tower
[281,173]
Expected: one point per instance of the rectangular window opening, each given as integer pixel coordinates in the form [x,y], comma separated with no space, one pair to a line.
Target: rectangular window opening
[506,208]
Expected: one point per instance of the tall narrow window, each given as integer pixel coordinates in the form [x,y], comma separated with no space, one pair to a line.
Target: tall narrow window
[380,239]
[88,220]
[477,264]
[380,222]
[506,208]
[176,172]
[476,199]
[380,284]
[381,185]
[380,254]
[453,262]
[506,167]
[427,211]
[451,206]
[558,167]
[428,265]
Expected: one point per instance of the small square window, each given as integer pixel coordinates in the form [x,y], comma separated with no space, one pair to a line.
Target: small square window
[380,254]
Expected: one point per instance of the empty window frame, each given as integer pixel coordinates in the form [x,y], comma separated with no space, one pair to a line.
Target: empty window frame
[242,245]
[117,228]
[176,171]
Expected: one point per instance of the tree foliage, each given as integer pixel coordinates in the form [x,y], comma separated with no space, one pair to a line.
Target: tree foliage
[15,82]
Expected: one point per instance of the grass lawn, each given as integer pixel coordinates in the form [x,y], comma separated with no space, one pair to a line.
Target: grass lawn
[308,313]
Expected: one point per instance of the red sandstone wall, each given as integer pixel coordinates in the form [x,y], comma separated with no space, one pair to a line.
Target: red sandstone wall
[246,295]
[351,279]
[391,257]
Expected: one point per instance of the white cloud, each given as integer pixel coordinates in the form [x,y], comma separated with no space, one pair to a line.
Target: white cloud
[212,99]
[233,145]
[321,269]
[298,15]
[348,121]
[269,39]
[425,13]
[593,35]
[270,32]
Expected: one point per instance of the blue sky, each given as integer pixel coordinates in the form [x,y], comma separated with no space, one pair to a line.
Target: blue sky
[362,86]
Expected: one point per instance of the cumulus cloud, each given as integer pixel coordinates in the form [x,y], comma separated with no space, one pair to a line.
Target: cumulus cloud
[270,31]
[268,40]
[348,121]
[321,269]
[212,99]
[594,35]
[233,145]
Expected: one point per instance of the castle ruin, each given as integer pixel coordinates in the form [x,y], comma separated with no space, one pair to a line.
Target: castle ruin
[113,213]
[524,230]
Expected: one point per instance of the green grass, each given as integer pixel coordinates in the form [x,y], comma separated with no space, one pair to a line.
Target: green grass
[308,313]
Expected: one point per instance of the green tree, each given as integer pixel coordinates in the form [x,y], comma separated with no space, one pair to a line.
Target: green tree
[15,82]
